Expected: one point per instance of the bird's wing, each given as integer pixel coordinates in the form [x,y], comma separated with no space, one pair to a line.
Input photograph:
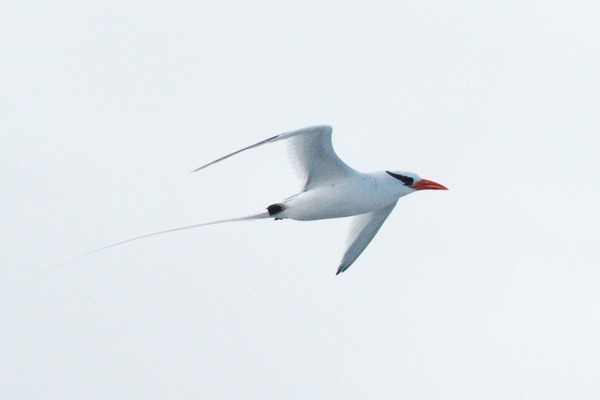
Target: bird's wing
[364,228]
[313,154]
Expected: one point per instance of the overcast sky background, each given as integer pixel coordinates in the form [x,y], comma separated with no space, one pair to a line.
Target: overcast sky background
[490,290]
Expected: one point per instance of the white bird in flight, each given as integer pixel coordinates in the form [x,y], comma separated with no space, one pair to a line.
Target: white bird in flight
[331,189]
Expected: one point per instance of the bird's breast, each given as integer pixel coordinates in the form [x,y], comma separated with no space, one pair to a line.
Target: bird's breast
[344,199]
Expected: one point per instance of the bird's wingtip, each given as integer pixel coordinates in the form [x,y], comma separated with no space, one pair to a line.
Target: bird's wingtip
[198,169]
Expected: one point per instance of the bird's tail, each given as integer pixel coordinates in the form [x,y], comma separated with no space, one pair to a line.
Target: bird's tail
[247,218]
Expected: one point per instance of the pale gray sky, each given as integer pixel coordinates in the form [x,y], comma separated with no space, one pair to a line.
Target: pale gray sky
[490,290]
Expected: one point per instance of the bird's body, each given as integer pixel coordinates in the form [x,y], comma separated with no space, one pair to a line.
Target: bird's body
[331,189]
[358,194]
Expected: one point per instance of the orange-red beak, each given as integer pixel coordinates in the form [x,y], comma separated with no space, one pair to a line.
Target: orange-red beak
[425,184]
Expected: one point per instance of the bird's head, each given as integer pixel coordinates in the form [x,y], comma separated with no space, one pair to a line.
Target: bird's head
[414,181]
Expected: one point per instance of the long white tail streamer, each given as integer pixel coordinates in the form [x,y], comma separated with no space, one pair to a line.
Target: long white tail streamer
[248,218]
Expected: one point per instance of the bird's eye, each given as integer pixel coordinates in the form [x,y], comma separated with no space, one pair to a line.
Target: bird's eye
[407,180]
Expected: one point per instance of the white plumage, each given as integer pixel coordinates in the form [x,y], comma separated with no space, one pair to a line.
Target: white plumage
[331,189]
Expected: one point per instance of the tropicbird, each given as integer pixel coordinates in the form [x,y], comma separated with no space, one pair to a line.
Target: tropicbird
[331,189]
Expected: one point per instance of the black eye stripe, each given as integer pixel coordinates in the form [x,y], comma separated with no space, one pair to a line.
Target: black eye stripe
[408,181]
